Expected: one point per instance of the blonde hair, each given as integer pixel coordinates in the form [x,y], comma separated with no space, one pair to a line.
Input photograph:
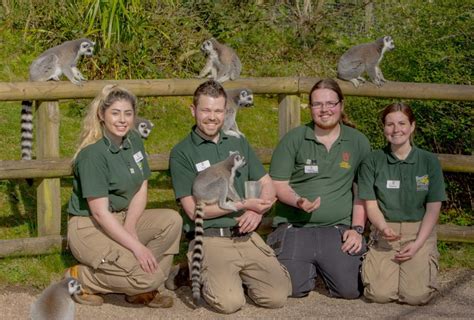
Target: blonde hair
[92,125]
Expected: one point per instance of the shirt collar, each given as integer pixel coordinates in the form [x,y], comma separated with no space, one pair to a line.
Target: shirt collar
[392,158]
[126,144]
[197,139]
[309,133]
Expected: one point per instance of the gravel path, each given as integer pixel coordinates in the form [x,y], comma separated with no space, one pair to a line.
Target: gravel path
[454,301]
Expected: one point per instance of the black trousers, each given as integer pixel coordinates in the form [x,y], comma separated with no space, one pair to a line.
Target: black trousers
[305,252]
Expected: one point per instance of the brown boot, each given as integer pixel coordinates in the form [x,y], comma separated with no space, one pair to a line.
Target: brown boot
[161,301]
[152,299]
[142,298]
[178,277]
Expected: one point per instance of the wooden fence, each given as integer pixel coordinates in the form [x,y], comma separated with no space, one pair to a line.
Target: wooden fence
[49,168]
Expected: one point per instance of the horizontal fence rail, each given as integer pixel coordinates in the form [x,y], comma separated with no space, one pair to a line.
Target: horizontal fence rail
[49,167]
[57,90]
[21,169]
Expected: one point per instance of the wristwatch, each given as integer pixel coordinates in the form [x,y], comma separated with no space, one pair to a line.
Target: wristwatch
[358,229]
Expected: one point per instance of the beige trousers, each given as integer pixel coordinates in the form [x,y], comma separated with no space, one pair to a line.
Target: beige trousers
[108,267]
[413,281]
[230,262]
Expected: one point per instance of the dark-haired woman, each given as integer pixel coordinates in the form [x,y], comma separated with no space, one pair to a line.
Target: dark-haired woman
[403,188]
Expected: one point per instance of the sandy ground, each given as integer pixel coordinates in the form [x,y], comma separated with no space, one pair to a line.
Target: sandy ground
[455,300]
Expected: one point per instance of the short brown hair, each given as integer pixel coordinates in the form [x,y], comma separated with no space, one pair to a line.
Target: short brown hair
[209,88]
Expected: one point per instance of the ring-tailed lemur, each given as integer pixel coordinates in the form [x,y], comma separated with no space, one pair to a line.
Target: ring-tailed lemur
[50,65]
[212,185]
[222,61]
[364,57]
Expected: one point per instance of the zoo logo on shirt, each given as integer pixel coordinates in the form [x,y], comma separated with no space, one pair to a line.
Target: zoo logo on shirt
[345,160]
[422,183]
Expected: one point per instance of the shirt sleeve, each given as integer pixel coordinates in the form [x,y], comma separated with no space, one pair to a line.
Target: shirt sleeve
[283,158]
[436,191]
[366,179]
[182,175]
[91,168]
[256,169]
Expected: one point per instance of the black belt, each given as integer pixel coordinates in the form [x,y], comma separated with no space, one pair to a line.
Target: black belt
[229,232]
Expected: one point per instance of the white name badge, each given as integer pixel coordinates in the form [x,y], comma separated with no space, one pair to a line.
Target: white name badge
[202,165]
[138,156]
[311,169]
[393,184]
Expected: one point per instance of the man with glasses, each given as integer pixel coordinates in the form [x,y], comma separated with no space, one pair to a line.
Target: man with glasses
[319,221]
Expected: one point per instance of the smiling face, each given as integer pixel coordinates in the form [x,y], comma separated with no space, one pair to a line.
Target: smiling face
[209,113]
[398,129]
[326,108]
[118,119]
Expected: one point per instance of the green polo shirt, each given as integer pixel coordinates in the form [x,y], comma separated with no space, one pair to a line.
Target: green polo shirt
[104,170]
[402,187]
[313,172]
[193,154]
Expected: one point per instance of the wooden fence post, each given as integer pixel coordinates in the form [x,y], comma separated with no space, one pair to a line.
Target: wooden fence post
[48,191]
[288,113]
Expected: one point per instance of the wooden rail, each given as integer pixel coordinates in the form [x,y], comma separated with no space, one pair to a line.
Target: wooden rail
[22,169]
[50,168]
[49,91]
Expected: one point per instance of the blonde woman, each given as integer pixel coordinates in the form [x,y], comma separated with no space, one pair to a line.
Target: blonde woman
[122,247]
[403,189]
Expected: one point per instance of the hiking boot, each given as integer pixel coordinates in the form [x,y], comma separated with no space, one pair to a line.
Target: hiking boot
[178,277]
[142,298]
[152,299]
[72,272]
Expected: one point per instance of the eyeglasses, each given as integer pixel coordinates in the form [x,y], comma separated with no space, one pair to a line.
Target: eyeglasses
[329,104]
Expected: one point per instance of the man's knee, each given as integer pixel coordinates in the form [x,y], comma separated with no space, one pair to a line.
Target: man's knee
[276,298]
[380,296]
[346,292]
[227,304]
[174,218]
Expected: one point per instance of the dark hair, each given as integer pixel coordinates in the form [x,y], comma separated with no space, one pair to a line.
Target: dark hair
[334,86]
[209,88]
[398,106]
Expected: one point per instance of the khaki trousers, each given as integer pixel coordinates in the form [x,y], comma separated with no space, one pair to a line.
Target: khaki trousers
[230,262]
[413,281]
[108,267]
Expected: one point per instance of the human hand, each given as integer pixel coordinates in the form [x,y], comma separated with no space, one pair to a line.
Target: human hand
[249,221]
[351,242]
[146,259]
[258,205]
[390,235]
[308,206]
[407,252]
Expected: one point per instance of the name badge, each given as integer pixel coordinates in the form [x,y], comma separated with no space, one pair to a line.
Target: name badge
[202,165]
[393,184]
[311,169]
[138,156]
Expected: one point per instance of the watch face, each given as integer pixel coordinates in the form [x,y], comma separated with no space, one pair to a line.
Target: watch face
[358,229]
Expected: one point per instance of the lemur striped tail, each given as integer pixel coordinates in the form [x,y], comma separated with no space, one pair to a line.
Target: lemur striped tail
[26,130]
[196,265]
[26,138]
